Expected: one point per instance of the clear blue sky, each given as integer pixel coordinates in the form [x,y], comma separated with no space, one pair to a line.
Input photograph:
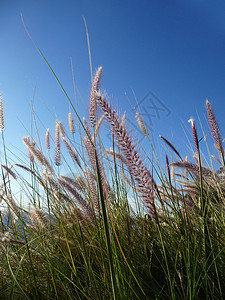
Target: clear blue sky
[173,49]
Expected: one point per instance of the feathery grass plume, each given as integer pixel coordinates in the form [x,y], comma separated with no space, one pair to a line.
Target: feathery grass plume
[88,132]
[92,190]
[194,132]
[172,173]
[187,199]
[57,145]
[117,155]
[90,150]
[82,202]
[136,167]
[92,103]
[74,215]
[49,179]
[30,171]
[191,190]
[194,168]
[60,197]
[61,129]
[215,130]
[123,120]
[31,156]
[2,124]
[99,123]
[168,168]
[171,146]
[81,181]
[9,171]
[39,218]
[47,139]
[72,182]
[37,154]
[71,123]
[124,177]
[141,124]
[72,152]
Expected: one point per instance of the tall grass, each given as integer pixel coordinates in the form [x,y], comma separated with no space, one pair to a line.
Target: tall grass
[81,236]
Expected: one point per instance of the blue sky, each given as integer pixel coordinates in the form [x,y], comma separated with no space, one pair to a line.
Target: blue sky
[171,51]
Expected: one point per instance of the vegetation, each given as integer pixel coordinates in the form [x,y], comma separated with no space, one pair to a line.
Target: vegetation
[110,230]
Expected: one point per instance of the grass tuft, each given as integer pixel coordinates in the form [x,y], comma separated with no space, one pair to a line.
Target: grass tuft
[111,229]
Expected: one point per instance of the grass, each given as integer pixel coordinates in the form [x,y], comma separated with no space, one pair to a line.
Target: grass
[80,237]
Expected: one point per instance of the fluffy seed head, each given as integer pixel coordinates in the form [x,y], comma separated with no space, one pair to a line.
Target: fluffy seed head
[141,125]
[194,169]
[31,156]
[37,154]
[172,173]
[81,181]
[170,145]
[71,123]
[98,126]
[57,145]
[47,139]
[61,129]
[123,120]
[194,132]
[82,202]
[88,132]
[168,168]
[136,167]
[116,155]
[92,190]
[72,152]
[39,218]
[214,129]
[92,104]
